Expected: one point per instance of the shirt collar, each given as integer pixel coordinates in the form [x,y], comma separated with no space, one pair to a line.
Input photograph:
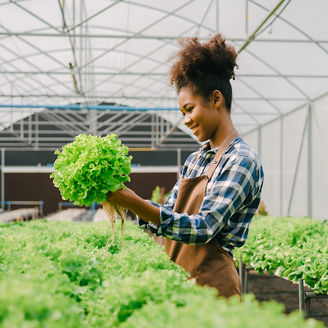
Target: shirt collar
[206,148]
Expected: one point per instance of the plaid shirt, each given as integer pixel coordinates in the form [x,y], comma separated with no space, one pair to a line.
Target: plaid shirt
[231,199]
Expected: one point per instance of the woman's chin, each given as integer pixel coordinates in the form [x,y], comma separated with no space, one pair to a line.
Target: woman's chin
[201,139]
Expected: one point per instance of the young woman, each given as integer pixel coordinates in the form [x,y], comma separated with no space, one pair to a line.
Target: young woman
[212,204]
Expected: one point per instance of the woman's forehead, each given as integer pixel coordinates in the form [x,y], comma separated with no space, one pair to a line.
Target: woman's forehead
[186,95]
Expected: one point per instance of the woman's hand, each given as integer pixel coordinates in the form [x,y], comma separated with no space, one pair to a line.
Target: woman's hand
[127,198]
[121,197]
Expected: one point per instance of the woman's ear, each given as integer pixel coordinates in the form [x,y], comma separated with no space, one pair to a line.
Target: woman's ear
[218,99]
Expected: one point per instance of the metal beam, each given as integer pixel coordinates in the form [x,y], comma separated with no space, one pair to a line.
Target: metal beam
[67,132]
[281,167]
[144,73]
[92,107]
[168,133]
[29,63]
[297,164]
[109,96]
[52,147]
[151,37]
[93,16]
[167,14]
[309,189]
[146,55]
[295,86]
[298,29]
[16,3]
[278,118]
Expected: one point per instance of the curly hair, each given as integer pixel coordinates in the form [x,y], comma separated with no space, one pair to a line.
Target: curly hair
[205,67]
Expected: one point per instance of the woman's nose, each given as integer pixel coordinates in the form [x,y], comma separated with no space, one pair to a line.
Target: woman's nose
[187,120]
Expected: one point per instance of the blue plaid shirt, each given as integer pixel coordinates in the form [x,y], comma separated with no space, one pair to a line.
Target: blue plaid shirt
[231,199]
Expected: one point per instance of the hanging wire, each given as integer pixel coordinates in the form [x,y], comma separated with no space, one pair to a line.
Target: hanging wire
[75,65]
[275,18]
[255,33]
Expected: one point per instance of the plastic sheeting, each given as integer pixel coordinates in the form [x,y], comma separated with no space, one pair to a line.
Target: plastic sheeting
[295,159]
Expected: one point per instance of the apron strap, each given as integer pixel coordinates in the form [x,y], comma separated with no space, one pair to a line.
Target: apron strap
[222,149]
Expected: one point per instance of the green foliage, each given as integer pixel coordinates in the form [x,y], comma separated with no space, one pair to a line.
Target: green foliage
[60,274]
[262,210]
[159,196]
[89,167]
[29,304]
[215,313]
[294,248]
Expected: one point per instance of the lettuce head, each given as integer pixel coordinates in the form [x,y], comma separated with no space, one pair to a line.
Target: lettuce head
[89,167]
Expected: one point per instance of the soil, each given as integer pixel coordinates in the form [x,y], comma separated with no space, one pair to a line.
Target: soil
[268,287]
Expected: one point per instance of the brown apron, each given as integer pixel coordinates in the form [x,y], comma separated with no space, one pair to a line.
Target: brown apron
[209,264]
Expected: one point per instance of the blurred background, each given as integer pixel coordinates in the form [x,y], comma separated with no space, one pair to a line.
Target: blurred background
[100,67]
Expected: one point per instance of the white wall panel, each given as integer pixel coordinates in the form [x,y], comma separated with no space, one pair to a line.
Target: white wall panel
[252,140]
[320,159]
[292,138]
[270,156]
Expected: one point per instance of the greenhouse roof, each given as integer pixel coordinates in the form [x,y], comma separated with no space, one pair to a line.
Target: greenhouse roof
[63,53]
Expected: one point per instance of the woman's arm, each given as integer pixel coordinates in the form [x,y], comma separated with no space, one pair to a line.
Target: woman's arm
[146,211]
[128,199]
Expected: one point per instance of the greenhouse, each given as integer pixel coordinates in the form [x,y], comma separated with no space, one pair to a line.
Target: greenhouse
[90,102]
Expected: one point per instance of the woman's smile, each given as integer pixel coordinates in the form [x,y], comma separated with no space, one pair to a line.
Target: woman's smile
[194,129]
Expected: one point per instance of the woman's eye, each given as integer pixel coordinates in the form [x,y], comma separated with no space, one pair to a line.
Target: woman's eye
[186,110]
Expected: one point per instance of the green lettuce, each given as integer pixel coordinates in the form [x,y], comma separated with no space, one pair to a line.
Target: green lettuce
[89,167]
[293,248]
[60,274]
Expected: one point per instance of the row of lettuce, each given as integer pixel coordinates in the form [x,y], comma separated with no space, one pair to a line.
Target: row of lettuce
[293,248]
[56,274]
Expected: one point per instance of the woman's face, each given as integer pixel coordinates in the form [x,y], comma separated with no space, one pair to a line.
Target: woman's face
[202,117]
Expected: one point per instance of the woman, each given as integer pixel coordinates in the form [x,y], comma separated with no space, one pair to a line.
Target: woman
[218,192]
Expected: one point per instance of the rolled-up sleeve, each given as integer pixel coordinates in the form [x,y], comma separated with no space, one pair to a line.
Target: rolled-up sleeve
[232,189]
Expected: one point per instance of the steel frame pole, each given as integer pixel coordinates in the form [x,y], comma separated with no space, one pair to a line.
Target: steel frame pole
[301,300]
[259,138]
[2,178]
[281,166]
[297,166]
[242,272]
[178,161]
[310,209]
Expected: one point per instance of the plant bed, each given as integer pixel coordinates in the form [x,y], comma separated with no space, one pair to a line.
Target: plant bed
[60,274]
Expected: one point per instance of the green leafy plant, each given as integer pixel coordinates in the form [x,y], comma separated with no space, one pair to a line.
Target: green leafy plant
[158,195]
[59,274]
[90,167]
[262,209]
[293,248]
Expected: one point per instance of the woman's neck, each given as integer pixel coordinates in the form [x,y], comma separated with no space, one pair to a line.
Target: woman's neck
[225,128]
